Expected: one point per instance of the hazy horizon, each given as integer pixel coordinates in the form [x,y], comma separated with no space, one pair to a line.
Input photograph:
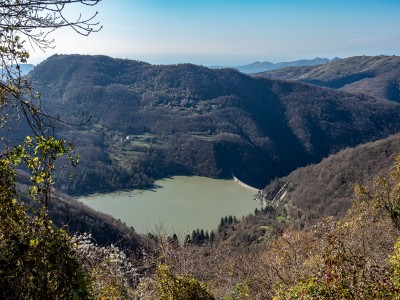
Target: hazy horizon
[204,61]
[233,33]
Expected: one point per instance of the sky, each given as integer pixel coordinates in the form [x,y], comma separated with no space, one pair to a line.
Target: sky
[234,32]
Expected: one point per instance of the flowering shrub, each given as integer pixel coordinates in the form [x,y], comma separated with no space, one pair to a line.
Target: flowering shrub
[112,272]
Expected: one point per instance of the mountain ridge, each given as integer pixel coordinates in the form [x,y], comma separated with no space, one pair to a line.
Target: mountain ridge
[377,76]
[257,66]
[327,188]
[156,121]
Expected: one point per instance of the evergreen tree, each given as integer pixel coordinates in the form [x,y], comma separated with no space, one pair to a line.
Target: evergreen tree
[212,236]
[186,241]
[194,237]
[230,220]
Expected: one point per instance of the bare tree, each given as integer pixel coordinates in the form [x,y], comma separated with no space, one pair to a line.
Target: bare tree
[27,24]
[34,20]
[24,25]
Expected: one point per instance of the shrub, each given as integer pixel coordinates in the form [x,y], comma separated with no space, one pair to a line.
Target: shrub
[183,287]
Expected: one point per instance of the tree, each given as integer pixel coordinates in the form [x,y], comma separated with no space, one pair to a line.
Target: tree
[37,260]
[353,260]
[25,23]
[212,236]
[34,20]
[384,197]
[179,287]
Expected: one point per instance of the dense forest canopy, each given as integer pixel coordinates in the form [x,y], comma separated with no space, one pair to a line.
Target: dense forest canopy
[150,121]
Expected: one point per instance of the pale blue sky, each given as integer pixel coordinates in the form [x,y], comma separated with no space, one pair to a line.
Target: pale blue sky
[235,32]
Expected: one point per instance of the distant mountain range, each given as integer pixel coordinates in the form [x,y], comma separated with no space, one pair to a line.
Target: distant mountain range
[156,121]
[258,66]
[26,68]
[378,76]
[23,68]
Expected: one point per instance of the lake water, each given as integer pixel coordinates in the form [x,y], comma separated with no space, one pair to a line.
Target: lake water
[179,204]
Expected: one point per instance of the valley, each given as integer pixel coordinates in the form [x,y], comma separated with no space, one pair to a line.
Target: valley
[159,146]
[149,122]
[129,170]
[179,205]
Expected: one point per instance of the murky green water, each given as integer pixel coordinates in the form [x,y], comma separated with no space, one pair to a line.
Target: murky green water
[179,204]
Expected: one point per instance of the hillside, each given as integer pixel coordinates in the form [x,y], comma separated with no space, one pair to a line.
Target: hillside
[377,76]
[312,193]
[66,212]
[327,188]
[154,121]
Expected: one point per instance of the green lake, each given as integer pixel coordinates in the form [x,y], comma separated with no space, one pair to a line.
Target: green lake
[178,204]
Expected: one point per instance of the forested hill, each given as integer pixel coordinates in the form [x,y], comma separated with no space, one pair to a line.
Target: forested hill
[378,76]
[327,188]
[154,121]
[68,213]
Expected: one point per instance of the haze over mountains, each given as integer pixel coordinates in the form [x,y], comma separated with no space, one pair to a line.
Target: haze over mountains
[258,66]
[378,76]
[155,121]
[23,69]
